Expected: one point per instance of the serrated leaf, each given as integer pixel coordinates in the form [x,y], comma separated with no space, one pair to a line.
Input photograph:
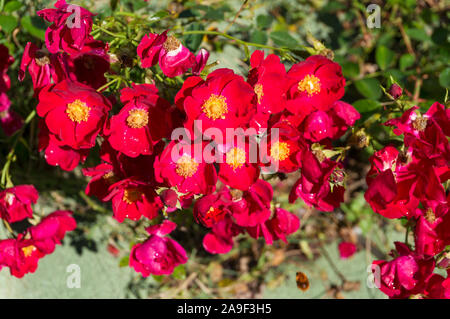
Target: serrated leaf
[35,26]
[264,21]
[283,39]
[12,6]
[418,34]
[159,15]
[8,23]
[369,88]
[384,56]
[350,69]
[366,105]
[259,37]
[406,60]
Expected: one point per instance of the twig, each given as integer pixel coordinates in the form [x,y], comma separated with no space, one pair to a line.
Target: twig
[183,286]
[333,266]
[236,16]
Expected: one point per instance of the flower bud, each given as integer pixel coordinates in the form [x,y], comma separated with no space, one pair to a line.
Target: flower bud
[395,91]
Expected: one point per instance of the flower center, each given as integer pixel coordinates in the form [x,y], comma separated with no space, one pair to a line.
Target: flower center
[110,178]
[137,118]
[186,166]
[131,195]
[42,58]
[214,214]
[9,198]
[215,107]
[280,151]
[259,92]
[310,84]
[171,44]
[78,111]
[420,123]
[28,250]
[430,216]
[235,157]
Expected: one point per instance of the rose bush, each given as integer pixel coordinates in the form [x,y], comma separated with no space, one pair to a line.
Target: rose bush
[159,128]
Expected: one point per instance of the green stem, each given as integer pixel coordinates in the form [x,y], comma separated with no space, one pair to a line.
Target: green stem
[108,84]
[225,35]
[110,33]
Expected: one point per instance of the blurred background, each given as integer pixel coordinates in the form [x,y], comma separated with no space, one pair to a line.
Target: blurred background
[411,46]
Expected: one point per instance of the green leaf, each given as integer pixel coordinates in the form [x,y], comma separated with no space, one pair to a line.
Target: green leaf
[35,26]
[160,15]
[179,272]
[384,56]
[214,14]
[366,105]
[369,88]
[283,39]
[350,69]
[264,21]
[418,34]
[259,37]
[124,262]
[8,23]
[406,60]
[12,6]
[444,78]
[193,41]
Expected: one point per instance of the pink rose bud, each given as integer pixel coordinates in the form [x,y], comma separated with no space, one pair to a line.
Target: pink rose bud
[396,91]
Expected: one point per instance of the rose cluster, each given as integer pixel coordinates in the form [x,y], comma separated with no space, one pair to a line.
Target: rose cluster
[21,254]
[408,183]
[146,170]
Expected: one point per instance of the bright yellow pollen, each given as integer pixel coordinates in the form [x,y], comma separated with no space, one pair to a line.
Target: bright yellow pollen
[110,178]
[28,251]
[137,118]
[235,157]
[78,111]
[186,166]
[310,84]
[259,92]
[215,107]
[131,195]
[280,151]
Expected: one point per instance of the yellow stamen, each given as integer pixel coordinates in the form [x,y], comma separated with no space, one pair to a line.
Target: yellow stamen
[235,157]
[215,107]
[280,151]
[186,166]
[310,84]
[420,123]
[131,195]
[110,178]
[28,250]
[259,92]
[137,118]
[171,44]
[78,111]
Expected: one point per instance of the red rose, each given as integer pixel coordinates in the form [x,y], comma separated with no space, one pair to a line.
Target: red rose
[74,112]
[15,202]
